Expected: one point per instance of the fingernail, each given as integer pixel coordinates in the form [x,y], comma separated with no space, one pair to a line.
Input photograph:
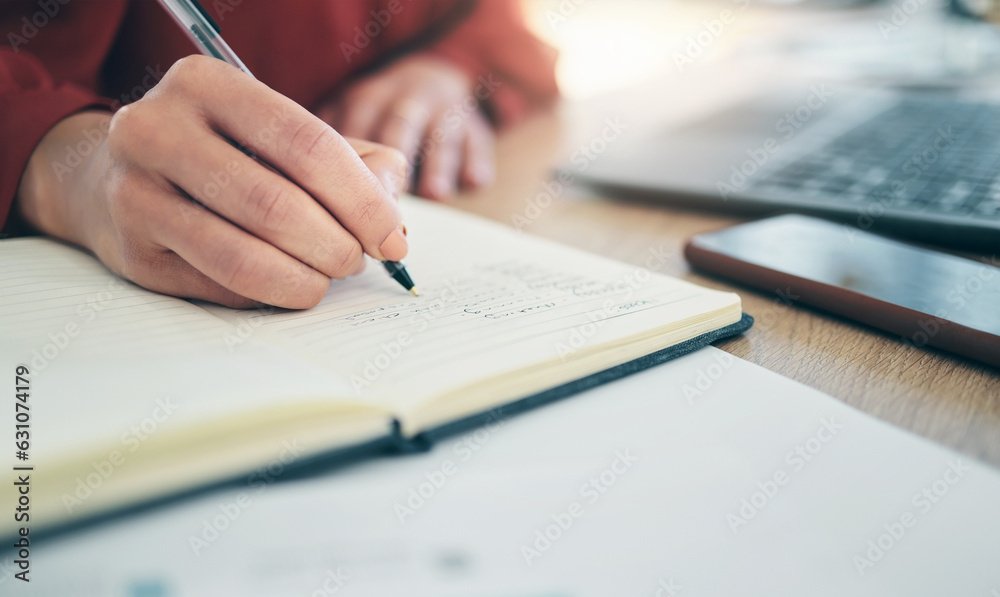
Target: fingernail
[394,247]
[402,228]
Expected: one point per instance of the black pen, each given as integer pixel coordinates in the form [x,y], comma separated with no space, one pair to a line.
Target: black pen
[207,35]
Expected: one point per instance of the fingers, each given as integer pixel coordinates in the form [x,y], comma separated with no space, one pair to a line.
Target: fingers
[450,141]
[478,162]
[177,277]
[463,157]
[404,124]
[168,243]
[267,205]
[235,260]
[440,167]
[301,146]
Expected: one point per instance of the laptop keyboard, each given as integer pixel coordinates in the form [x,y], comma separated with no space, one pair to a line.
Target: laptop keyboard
[921,154]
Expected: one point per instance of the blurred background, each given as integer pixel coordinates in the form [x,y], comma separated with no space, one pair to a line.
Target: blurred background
[611,45]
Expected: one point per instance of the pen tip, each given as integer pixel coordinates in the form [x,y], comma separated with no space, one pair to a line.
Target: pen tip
[414,291]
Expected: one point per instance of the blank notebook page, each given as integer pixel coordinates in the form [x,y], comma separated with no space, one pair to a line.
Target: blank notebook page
[106,355]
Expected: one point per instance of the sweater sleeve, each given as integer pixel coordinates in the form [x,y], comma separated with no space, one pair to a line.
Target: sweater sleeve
[31,103]
[514,71]
[49,69]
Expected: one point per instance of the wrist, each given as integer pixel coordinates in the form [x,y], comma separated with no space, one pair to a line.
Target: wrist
[50,193]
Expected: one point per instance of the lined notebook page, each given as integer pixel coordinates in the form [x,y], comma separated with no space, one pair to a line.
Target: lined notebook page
[106,355]
[493,301]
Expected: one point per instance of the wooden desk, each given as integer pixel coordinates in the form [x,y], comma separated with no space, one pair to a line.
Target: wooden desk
[950,400]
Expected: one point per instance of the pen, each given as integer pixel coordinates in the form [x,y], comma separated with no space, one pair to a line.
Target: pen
[206,34]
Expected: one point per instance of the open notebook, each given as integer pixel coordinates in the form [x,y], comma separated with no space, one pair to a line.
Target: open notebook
[135,395]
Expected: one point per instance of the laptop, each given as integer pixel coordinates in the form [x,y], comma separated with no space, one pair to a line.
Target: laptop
[921,165]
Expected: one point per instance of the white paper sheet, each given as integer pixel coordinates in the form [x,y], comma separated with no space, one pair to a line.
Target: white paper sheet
[648,477]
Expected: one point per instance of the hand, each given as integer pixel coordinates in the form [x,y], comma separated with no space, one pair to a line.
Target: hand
[273,231]
[427,109]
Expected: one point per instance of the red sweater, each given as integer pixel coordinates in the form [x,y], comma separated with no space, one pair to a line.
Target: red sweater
[61,56]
